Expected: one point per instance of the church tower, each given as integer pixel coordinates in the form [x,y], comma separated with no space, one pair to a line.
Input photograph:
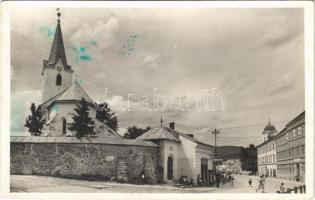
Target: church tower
[269,131]
[56,73]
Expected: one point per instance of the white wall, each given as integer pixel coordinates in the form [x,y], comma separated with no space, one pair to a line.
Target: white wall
[186,157]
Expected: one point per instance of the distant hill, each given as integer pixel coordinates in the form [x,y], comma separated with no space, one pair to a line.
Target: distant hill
[229,152]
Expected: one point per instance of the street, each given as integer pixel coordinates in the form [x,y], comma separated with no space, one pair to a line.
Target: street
[22,183]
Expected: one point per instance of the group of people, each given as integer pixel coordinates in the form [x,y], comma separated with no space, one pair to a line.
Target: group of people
[261,184]
[220,178]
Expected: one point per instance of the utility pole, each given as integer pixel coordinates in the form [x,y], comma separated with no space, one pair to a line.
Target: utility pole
[215,132]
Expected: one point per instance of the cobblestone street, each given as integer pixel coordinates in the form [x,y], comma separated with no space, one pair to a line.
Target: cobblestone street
[23,183]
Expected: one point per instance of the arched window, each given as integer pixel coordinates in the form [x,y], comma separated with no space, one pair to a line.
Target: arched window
[58,80]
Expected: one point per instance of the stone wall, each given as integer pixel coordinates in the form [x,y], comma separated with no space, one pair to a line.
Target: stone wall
[115,162]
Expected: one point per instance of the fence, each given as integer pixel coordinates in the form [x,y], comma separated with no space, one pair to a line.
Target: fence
[299,189]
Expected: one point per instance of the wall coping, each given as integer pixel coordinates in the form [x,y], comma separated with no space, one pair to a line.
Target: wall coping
[84,140]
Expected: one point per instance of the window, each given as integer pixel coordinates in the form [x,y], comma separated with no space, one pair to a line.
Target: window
[295,132]
[300,130]
[287,136]
[58,80]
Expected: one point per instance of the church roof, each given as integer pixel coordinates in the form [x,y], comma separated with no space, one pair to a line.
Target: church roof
[269,127]
[75,92]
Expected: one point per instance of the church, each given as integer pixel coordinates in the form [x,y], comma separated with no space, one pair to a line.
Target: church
[179,155]
[60,94]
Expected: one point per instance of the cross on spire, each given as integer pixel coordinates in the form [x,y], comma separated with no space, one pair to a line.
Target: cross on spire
[58,14]
[161,121]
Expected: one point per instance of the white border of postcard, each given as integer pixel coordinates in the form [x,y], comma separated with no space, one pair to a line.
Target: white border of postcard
[5,96]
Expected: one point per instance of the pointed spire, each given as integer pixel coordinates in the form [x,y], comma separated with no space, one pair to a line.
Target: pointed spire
[161,121]
[57,49]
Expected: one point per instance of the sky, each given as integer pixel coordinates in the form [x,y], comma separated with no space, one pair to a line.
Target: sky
[231,69]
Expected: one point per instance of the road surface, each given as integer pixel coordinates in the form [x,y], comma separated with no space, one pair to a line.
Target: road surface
[22,183]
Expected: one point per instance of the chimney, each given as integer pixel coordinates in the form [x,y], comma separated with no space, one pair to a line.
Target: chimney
[190,135]
[172,125]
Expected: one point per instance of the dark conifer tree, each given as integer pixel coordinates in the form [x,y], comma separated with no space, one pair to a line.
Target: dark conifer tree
[34,122]
[82,125]
[106,115]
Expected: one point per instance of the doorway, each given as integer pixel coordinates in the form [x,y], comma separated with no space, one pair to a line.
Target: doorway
[204,172]
[170,170]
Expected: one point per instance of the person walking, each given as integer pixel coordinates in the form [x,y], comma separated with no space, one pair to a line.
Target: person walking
[250,182]
[217,179]
[261,184]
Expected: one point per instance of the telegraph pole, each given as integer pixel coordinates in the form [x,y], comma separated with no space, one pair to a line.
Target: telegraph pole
[215,132]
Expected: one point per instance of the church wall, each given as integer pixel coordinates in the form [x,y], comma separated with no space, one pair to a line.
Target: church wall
[64,110]
[122,163]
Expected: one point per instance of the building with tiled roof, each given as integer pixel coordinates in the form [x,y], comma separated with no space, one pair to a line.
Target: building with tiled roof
[181,155]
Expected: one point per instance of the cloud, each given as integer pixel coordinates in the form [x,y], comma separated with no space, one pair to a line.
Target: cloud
[281,31]
[101,34]
[151,61]
[20,105]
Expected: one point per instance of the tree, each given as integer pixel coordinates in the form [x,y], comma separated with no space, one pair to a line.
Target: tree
[34,122]
[105,115]
[134,132]
[249,158]
[82,124]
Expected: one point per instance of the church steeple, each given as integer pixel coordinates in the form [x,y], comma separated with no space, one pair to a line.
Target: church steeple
[56,73]
[57,49]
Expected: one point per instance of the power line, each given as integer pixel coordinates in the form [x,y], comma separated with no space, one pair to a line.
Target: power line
[80,74]
[41,49]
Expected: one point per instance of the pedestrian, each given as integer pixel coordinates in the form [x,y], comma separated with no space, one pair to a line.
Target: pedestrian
[261,184]
[217,179]
[250,182]
[199,180]
[142,178]
[231,178]
[282,188]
